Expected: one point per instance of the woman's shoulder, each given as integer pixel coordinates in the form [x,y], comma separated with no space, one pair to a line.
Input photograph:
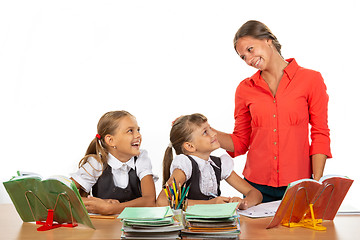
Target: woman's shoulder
[302,70]
[308,71]
[247,83]
[309,77]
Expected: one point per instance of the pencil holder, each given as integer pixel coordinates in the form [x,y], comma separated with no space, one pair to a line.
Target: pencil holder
[179,215]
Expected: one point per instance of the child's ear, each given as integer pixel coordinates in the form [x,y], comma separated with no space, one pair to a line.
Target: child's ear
[109,140]
[189,147]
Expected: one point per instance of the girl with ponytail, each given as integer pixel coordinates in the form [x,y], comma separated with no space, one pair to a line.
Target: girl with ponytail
[193,141]
[115,173]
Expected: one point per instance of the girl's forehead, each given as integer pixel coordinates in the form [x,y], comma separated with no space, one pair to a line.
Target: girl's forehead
[127,121]
[201,125]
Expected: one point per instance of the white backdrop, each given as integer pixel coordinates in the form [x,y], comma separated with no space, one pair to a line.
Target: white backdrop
[65,63]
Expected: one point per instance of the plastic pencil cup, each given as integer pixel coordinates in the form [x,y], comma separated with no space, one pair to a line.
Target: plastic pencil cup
[179,215]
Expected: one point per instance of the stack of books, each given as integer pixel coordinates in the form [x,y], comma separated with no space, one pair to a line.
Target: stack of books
[219,221]
[150,223]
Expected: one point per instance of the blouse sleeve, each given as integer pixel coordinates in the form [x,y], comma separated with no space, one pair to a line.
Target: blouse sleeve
[88,174]
[143,165]
[318,111]
[227,166]
[242,129]
[183,163]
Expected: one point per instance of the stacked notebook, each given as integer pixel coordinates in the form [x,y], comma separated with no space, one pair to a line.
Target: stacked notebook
[219,221]
[149,223]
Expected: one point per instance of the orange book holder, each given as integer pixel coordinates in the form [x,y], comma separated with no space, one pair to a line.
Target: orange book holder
[306,221]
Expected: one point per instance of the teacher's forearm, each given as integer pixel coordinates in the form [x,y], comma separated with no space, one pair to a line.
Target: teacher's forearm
[318,165]
[225,141]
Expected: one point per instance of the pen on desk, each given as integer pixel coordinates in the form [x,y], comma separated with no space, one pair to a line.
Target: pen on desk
[213,195]
[98,216]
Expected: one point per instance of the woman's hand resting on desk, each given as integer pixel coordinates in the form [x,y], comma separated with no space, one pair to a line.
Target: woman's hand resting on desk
[243,204]
[99,206]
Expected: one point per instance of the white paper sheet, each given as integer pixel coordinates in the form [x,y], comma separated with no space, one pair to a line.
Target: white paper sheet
[262,210]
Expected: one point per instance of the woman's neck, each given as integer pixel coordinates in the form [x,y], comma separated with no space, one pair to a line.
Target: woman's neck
[274,72]
[275,69]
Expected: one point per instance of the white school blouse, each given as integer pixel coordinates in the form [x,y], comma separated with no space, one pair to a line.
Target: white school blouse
[88,174]
[207,179]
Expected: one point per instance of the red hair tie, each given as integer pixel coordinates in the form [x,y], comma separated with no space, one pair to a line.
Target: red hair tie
[172,124]
[98,136]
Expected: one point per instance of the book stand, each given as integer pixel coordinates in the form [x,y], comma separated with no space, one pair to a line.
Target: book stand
[306,222]
[49,223]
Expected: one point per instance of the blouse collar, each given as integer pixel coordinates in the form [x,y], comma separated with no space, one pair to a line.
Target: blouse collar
[201,162]
[289,70]
[116,163]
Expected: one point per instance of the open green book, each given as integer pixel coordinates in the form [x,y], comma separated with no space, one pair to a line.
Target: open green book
[32,197]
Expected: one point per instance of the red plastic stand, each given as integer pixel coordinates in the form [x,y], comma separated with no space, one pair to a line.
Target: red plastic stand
[49,224]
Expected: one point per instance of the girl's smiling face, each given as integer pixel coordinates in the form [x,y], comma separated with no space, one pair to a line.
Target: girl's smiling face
[125,143]
[204,139]
[256,53]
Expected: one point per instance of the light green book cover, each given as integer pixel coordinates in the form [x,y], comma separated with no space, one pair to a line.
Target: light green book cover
[146,213]
[225,210]
[32,196]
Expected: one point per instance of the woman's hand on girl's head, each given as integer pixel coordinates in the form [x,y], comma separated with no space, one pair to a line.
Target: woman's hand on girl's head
[243,204]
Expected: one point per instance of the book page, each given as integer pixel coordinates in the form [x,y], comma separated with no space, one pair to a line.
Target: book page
[261,210]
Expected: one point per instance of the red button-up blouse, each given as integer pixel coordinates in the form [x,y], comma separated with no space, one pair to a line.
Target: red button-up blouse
[275,130]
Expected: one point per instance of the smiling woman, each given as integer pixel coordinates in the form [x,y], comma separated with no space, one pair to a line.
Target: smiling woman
[273,109]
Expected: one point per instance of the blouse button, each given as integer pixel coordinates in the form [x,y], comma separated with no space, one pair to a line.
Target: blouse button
[274,115]
[274,101]
[274,130]
[275,143]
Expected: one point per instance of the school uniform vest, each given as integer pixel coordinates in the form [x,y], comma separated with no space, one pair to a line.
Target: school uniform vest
[194,190]
[105,187]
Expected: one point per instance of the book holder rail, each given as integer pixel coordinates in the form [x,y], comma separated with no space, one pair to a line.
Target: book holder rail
[311,222]
[49,223]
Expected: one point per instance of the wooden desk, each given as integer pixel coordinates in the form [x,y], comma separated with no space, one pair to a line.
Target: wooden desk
[12,227]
